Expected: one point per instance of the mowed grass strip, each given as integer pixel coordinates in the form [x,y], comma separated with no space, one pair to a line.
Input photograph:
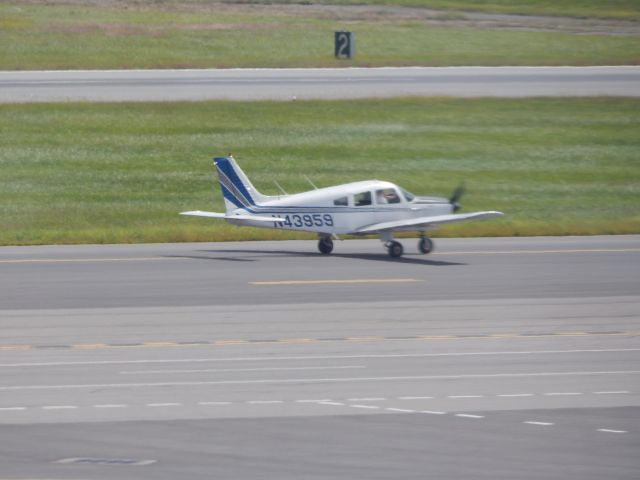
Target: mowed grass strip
[109,173]
[104,35]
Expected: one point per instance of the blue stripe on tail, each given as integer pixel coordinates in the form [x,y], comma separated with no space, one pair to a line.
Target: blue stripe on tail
[232,187]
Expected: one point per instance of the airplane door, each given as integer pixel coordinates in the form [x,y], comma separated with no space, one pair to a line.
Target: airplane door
[389,205]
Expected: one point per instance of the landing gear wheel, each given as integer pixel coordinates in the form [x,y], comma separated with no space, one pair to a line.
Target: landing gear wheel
[425,245]
[325,245]
[395,249]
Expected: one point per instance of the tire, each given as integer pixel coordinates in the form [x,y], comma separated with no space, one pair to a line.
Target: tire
[425,245]
[395,249]
[325,245]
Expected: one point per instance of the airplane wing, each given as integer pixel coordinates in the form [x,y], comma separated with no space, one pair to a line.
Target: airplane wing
[255,218]
[416,223]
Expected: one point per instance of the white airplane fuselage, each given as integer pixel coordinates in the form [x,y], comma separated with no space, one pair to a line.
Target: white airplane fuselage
[316,211]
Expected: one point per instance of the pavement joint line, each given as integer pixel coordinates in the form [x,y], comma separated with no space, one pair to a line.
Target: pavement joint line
[166,404]
[335,281]
[111,405]
[165,258]
[293,341]
[215,403]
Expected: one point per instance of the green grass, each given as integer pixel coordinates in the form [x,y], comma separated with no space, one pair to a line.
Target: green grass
[620,9]
[104,173]
[179,35]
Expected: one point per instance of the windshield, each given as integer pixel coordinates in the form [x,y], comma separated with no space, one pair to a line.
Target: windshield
[408,195]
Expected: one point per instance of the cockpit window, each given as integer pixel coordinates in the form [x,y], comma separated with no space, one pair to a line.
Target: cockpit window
[362,199]
[342,201]
[387,195]
[408,195]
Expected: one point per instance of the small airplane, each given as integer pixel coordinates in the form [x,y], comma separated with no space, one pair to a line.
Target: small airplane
[358,208]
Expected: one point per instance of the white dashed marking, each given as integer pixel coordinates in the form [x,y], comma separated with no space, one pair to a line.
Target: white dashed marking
[402,410]
[465,396]
[509,395]
[544,424]
[617,392]
[367,399]
[111,405]
[415,398]
[558,394]
[170,404]
[59,407]
[214,403]
[322,400]
[263,402]
[371,407]
[12,409]
[607,430]
[468,415]
[433,412]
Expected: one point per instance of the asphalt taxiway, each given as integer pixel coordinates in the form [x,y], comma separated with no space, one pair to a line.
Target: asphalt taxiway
[316,83]
[512,358]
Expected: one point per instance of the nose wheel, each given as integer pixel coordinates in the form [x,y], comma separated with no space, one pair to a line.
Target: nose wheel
[425,245]
[325,245]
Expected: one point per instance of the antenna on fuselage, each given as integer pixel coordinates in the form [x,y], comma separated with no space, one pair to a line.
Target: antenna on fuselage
[280,187]
[310,182]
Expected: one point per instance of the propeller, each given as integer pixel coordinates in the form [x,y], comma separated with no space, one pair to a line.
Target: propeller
[455,197]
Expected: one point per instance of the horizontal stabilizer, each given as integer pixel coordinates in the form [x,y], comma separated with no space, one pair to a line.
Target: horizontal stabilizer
[255,218]
[434,220]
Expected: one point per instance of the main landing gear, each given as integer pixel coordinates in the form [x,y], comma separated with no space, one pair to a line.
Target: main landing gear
[395,248]
[325,245]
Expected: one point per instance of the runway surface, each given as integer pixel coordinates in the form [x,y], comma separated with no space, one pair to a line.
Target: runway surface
[491,358]
[290,84]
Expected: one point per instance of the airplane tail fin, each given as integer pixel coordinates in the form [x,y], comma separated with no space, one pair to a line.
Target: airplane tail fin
[237,189]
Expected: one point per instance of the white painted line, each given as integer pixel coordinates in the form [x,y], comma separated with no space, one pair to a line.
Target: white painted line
[403,410]
[433,412]
[331,403]
[214,403]
[169,404]
[263,402]
[12,409]
[414,398]
[607,430]
[558,394]
[614,392]
[545,424]
[468,415]
[324,400]
[311,357]
[465,396]
[312,380]
[372,407]
[228,370]
[366,399]
[515,395]
[111,405]
[59,407]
